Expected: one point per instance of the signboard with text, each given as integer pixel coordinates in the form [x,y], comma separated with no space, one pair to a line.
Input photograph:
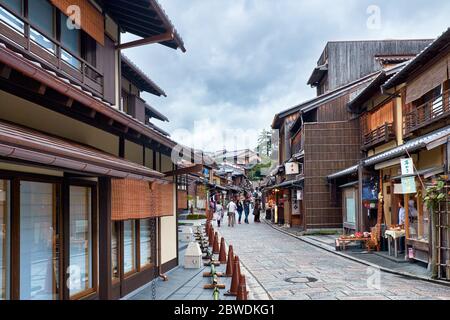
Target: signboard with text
[291,168]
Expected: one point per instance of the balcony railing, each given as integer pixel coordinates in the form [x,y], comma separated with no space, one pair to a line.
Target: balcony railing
[427,113]
[28,39]
[380,135]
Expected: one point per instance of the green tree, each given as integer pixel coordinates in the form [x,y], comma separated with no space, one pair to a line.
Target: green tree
[264,147]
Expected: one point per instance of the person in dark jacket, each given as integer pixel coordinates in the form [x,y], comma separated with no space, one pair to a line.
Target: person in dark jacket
[246,209]
[240,209]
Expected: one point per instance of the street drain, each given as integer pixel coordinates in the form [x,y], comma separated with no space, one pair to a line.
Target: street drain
[301,280]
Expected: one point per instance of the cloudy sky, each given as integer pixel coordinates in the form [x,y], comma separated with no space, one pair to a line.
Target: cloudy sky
[246,60]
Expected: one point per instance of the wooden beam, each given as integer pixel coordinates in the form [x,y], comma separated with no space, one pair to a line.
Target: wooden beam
[168,36]
[198,168]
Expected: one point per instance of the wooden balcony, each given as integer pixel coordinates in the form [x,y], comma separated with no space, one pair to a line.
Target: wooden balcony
[380,135]
[428,113]
[27,39]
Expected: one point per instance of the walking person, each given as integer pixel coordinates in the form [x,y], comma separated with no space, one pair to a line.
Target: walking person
[246,210]
[240,209]
[257,210]
[219,213]
[231,208]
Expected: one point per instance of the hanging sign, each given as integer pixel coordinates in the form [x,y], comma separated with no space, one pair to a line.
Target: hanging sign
[409,185]
[291,168]
[407,166]
[299,195]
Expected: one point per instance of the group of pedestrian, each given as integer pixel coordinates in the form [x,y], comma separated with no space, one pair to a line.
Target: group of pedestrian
[242,206]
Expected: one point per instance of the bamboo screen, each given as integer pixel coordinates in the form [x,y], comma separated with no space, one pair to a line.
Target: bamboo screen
[92,21]
[136,199]
[428,80]
[182,200]
[376,119]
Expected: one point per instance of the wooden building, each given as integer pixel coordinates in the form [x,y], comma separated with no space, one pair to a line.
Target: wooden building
[80,162]
[321,136]
[405,113]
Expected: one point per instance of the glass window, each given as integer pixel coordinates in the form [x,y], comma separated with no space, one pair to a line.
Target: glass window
[145,241]
[40,13]
[15,5]
[115,251]
[81,260]
[350,206]
[129,246]
[4,239]
[9,18]
[71,40]
[39,241]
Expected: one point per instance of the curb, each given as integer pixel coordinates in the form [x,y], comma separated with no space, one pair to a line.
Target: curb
[384,269]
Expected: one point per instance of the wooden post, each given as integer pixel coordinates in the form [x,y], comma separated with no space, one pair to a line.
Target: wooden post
[380,212]
[104,218]
[406,199]
[360,216]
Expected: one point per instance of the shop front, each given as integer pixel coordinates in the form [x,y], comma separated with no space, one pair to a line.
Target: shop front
[58,201]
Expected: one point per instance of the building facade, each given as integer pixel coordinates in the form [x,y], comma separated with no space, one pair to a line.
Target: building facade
[406,113]
[87,205]
[320,136]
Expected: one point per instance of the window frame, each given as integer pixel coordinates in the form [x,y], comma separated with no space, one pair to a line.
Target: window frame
[6,258]
[58,227]
[136,269]
[63,183]
[94,234]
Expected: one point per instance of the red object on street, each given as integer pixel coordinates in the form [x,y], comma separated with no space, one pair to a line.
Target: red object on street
[216,249]
[230,261]
[242,293]
[235,279]
[223,252]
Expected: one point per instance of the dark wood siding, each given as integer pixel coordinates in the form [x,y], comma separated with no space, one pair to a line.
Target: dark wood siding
[351,60]
[329,147]
[106,63]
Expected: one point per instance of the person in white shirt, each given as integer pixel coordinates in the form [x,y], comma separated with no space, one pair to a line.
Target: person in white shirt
[219,213]
[231,208]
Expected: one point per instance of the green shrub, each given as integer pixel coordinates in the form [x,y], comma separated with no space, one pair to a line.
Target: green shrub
[196,217]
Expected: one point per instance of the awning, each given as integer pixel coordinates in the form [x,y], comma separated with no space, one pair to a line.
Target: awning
[410,146]
[426,173]
[289,184]
[25,144]
[132,72]
[343,173]
[350,184]
[144,18]
[389,157]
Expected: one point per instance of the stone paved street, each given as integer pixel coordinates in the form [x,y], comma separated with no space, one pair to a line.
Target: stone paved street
[289,268]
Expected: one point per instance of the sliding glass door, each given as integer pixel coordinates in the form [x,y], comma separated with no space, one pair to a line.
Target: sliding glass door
[39,241]
[4,238]
[81,241]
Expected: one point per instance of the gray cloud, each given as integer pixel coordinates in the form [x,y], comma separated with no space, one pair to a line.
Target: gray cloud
[249,59]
